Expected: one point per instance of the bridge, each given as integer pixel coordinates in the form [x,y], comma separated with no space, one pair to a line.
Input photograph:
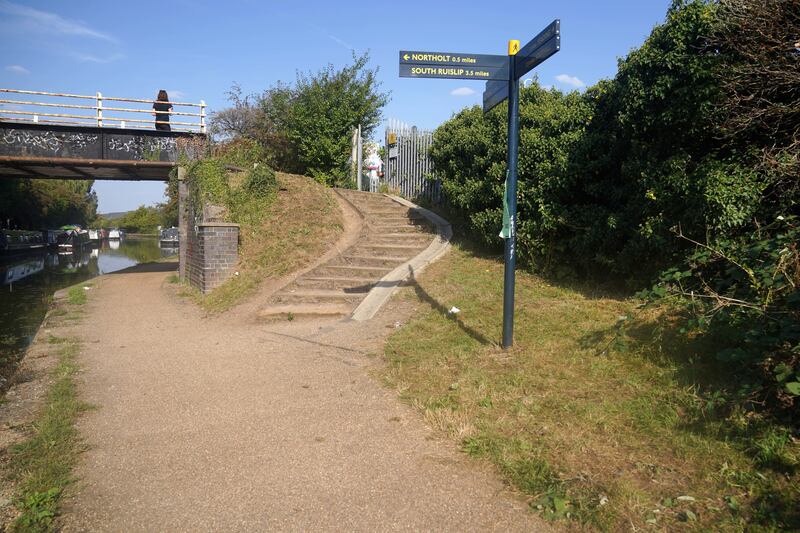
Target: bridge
[72,136]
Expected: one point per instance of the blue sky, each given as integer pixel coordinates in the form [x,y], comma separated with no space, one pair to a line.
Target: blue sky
[196,49]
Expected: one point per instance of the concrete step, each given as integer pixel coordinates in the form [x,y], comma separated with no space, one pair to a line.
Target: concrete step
[419,243]
[402,237]
[310,296]
[301,311]
[399,213]
[383,229]
[332,282]
[384,251]
[398,220]
[349,271]
[374,260]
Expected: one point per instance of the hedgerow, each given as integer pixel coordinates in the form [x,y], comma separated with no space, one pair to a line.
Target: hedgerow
[681,170]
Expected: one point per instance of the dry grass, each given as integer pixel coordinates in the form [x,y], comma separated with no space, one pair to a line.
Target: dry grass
[611,440]
[300,224]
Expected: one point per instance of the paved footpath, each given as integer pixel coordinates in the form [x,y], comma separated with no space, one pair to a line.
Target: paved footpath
[230,425]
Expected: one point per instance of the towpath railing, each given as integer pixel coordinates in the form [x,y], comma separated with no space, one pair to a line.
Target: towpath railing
[101,111]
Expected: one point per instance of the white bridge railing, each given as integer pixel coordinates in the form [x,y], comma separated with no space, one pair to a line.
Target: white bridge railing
[57,108]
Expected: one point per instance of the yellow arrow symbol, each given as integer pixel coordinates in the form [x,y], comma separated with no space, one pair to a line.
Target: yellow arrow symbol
[405,57]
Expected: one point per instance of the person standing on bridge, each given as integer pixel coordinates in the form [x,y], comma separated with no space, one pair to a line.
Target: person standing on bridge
[162,108]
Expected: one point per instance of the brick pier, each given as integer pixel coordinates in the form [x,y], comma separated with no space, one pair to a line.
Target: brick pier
[212,254]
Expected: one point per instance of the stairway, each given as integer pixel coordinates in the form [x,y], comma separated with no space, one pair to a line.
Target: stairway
[391,235]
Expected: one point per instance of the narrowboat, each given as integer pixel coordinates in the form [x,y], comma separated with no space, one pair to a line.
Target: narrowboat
[169,238]
[17,241]
[51,237]
[116,234]
[97,235]
[73,238]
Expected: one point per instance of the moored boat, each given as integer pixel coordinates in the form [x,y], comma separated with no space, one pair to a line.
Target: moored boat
[116,234]
[16,241]
[73,238]
[51,237]
[169,238]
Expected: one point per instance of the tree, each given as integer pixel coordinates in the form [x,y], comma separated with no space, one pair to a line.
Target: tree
[239,120]
[760,44]
[306,128]
[144,219]
[43,203]
[326,107]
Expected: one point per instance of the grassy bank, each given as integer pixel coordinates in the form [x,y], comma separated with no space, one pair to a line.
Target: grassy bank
[40,468]
[609,428]
[290,231]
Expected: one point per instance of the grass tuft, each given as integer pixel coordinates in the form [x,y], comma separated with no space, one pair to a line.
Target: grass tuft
[77,295]
[42,465]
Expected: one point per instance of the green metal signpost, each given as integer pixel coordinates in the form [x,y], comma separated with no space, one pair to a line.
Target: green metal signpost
[502,75]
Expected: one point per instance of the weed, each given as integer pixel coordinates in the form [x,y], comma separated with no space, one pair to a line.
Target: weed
[77,295]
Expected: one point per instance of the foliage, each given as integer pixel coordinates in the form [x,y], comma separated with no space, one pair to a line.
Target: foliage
[43,203]
[306,127]
[469,155]
[143,219]
[603,175]
[745,293]
[762,80]
[209,181]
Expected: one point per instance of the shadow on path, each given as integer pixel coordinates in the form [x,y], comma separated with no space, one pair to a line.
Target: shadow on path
[168,266]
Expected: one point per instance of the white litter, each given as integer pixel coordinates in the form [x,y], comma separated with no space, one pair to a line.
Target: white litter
[454,310]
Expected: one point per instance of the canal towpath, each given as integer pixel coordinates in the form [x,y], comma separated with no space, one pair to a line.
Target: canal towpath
[224,423]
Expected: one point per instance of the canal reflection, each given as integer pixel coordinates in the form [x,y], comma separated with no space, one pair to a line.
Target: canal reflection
[27,283]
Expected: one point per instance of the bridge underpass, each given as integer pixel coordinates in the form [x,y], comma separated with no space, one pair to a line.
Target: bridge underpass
[36,142]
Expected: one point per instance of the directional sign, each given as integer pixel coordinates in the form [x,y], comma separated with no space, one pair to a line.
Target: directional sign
[454,72]
[408,57]
[496,92]
[502,75]
[547,43]
[538,49]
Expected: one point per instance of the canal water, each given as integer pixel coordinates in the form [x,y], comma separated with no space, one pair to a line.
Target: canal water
[27,283]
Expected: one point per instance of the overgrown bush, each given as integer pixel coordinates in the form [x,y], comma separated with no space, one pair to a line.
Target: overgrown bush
[209,180]
[745,292]
[603,175]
